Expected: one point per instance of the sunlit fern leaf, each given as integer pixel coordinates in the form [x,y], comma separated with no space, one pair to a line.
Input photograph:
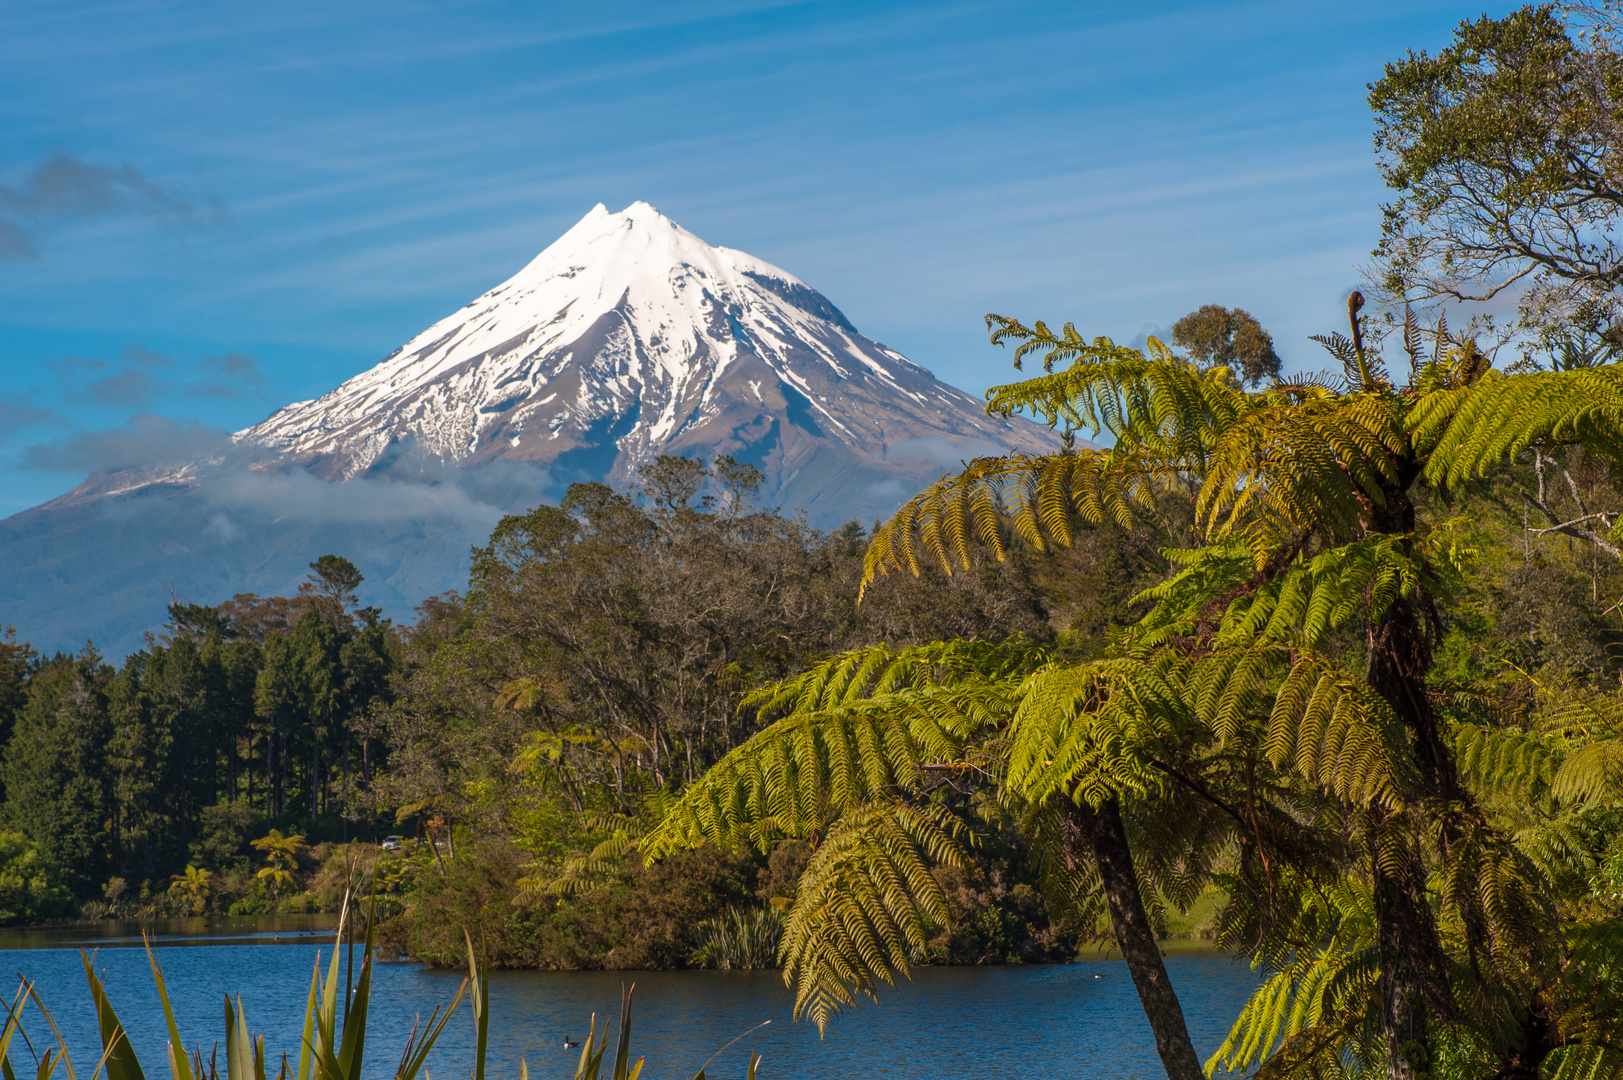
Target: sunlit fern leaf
[525,694]
[1229,689]
[549,746]
[1499,761]
[872,671]
[1038,500]
[1310,993]
[1091,732]
[1591,773]
[1473,427]
[801,772]
[1334,730]
[866,903]
[1288,466]
[1326,991]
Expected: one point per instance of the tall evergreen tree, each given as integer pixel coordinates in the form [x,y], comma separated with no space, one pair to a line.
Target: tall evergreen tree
[57,780]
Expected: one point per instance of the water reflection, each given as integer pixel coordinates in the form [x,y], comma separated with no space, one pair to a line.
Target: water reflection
[200,930]
[1066,1021]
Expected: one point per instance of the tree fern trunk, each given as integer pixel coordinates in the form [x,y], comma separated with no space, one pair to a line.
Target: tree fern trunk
[1414,970]
[1403,1007]
[1101,835]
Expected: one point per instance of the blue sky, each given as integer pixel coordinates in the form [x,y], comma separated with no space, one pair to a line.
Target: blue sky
[209,210]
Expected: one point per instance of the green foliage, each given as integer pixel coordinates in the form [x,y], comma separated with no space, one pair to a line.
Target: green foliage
[627,918]
[56,777]
[1217,336]
[29,885]
[282,855]
[739,939]
[1503,150]
[223,833]
[17,662]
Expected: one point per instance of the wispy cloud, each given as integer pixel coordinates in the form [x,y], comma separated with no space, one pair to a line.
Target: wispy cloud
[234,375]
[64,188]
[141,376]
[20,415]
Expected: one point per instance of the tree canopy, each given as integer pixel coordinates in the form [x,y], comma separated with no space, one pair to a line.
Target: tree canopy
[1505,151]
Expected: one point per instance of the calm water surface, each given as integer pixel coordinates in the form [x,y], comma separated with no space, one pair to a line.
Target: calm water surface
[1077,1020]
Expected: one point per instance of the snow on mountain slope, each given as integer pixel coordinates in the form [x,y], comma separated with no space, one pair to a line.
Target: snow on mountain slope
[630,337]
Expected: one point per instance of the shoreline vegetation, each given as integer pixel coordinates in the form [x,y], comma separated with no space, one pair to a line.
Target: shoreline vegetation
[513,741]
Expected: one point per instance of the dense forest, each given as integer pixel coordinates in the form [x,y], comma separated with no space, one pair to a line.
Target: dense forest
[595,660]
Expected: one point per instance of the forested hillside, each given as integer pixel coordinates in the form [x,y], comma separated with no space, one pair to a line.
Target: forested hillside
[596,659]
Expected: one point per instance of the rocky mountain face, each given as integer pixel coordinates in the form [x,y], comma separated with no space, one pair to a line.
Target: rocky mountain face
[627,338]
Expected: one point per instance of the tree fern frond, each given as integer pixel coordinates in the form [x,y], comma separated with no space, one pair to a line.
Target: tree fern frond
[1498,761]
[1306,1009]
[865,904]
[1334,730]
[1591,773]
[1472,427]
[877,670]
[797,775]
[1091,732]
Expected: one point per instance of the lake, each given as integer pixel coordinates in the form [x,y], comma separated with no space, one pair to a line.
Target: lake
[1078,1020]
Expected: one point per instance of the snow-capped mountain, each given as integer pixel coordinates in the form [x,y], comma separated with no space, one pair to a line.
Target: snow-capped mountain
[627,338]
[630,337]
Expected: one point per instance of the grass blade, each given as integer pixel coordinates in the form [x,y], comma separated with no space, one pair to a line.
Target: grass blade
[178,1065]
[62,1055]
[239,1045]
[14,1014]
[622,1050]
[418,1056]
[312,1007]
[352,1050]
[118,1054]
[481,1009]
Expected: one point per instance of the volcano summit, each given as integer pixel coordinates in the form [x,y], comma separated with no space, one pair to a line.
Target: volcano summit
[630,337]
[626,339]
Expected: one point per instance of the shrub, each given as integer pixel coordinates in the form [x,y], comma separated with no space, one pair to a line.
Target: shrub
[739,939]
[996,918]
[223,834]
[30,887]
[642,917]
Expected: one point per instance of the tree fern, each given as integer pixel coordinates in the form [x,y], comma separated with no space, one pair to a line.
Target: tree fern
[1221,723]
[866,902]
[1315,1008]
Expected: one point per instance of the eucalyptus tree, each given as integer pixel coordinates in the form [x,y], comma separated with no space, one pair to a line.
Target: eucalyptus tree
[1280,683]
